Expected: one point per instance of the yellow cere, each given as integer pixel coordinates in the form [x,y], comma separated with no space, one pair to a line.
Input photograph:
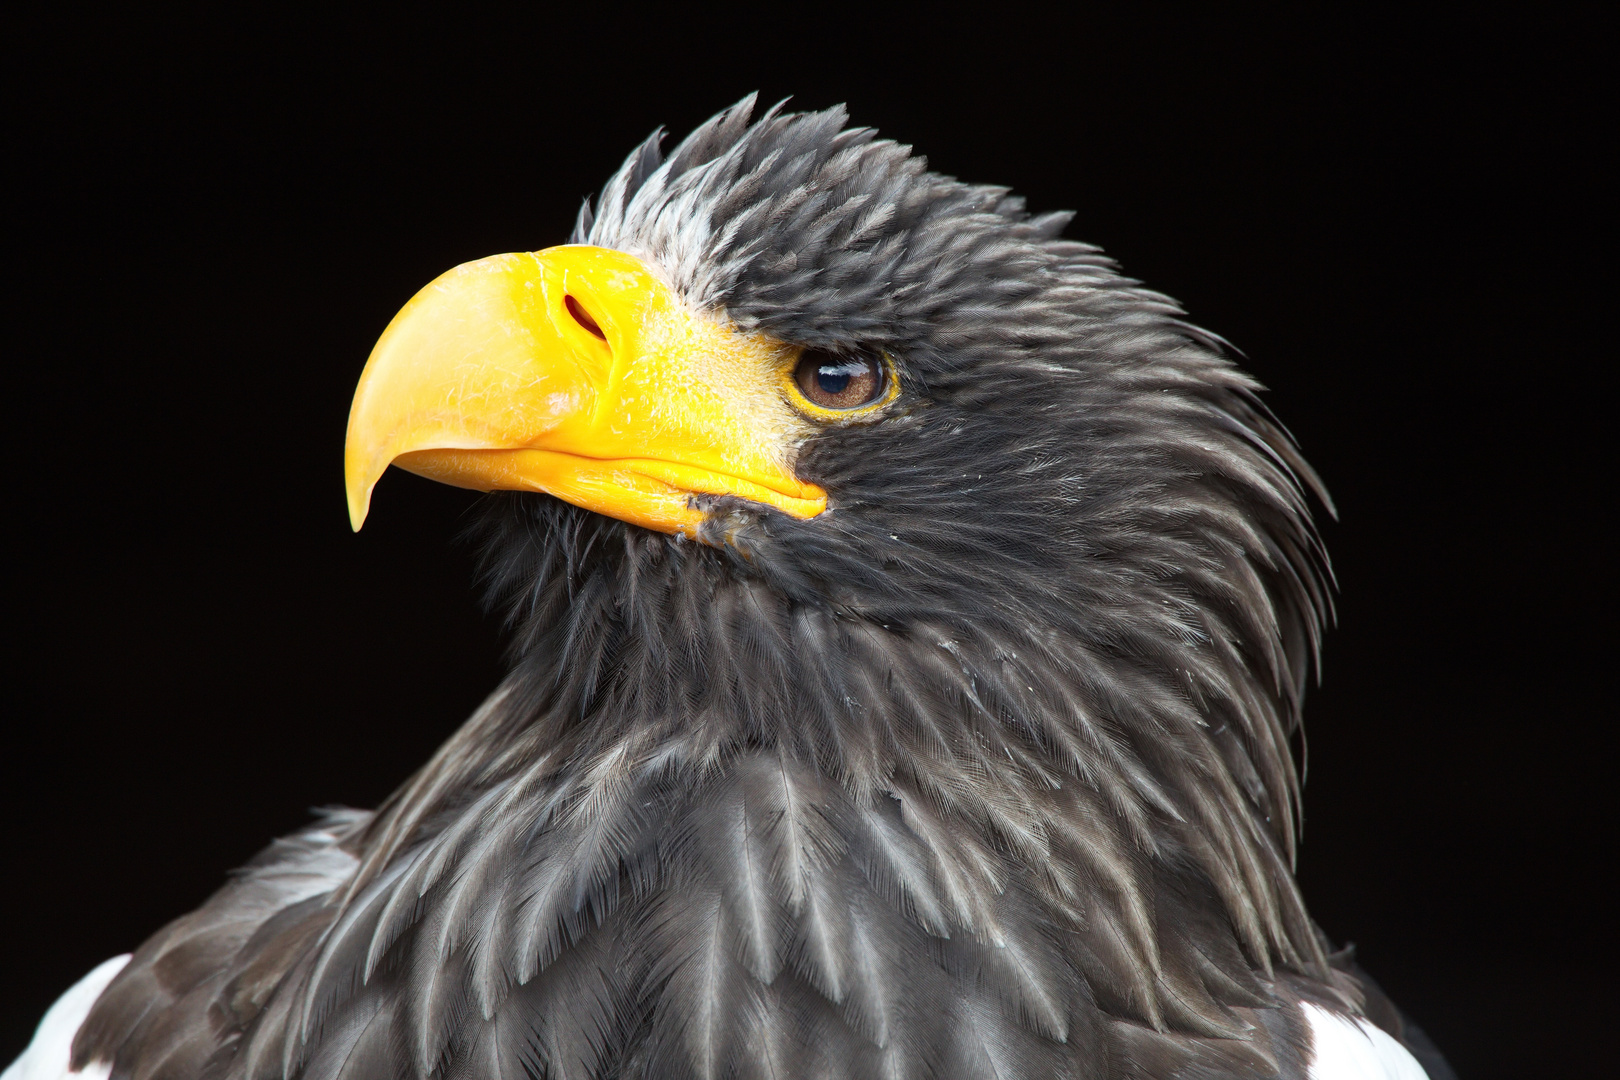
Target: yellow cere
[487,380]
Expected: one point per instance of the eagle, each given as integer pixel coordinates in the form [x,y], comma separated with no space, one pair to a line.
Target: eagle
[910,619]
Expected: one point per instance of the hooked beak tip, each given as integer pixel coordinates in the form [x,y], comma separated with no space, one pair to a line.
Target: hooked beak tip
[359,506]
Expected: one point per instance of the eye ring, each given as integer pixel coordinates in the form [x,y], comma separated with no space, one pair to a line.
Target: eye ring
[840,382]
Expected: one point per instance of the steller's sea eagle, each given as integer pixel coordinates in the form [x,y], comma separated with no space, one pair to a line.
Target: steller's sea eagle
[910,616]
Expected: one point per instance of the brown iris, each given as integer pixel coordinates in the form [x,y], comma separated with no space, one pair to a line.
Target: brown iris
[838,382]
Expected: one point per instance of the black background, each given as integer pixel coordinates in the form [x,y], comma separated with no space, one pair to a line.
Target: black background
[1395,221]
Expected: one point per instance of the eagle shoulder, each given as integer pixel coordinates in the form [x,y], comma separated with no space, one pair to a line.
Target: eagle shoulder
[1348,1048]
[47,1056]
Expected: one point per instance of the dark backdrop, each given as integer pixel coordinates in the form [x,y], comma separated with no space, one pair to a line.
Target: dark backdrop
[1391,220]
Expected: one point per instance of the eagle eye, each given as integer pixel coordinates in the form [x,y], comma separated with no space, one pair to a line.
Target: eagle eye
[839,382]
[583,317]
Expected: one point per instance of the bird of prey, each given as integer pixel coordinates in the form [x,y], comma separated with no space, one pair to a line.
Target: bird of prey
[910,616]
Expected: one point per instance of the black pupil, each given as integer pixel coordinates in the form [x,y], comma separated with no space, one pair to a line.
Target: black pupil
[833,378]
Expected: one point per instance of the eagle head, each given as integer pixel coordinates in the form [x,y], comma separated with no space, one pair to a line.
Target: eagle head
[806,454]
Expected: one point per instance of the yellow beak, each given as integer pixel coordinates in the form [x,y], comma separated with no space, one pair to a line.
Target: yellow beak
[577,371]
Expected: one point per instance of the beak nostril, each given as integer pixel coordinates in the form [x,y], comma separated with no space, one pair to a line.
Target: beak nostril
[583,317]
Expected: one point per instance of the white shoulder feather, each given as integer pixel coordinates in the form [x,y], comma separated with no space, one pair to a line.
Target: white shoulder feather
[1346,1049]
[47,1056]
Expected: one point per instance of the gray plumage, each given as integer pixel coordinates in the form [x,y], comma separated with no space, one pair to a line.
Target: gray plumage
[985,772]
